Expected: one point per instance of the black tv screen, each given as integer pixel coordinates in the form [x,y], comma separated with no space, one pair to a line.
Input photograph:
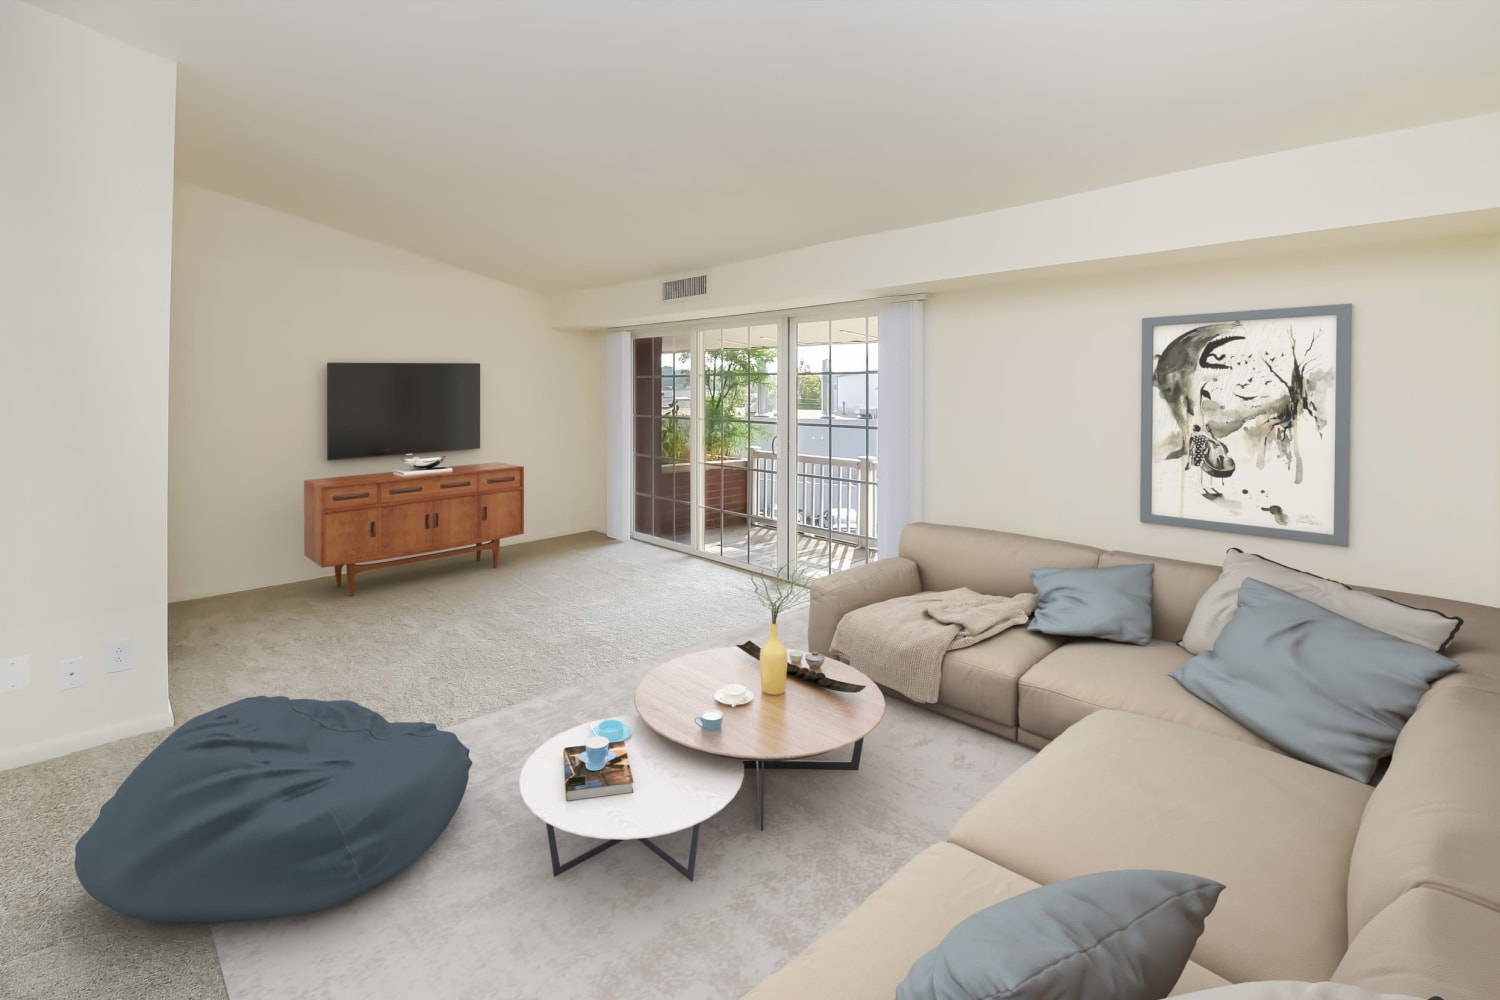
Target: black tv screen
[382,408]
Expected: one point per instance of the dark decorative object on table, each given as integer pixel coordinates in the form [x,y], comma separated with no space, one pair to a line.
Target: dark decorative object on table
[804,673]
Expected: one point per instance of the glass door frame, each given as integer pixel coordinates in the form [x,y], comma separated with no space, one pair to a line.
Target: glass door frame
[787,425]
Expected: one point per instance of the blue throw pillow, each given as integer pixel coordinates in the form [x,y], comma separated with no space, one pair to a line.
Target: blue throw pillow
[1120,935]
[1324,689]
[1109,603]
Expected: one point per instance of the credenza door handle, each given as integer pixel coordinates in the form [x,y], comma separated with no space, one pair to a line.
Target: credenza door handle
[372,529]
[407,489]
[351,496]
[484,512]
[435,520]
[453,486]
[426,520]
[501,479]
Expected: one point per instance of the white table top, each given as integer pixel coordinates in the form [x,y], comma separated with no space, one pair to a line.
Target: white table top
[675,788]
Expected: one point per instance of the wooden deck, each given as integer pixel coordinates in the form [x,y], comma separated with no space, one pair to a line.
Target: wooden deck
[756,545]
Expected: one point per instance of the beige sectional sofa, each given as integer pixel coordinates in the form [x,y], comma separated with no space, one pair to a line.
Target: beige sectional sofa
[1393,887]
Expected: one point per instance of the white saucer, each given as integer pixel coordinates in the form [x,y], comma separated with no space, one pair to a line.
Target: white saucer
[720,697]
[587,766]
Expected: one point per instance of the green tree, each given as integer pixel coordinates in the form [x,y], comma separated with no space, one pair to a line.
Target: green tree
[809,388]
[730,375]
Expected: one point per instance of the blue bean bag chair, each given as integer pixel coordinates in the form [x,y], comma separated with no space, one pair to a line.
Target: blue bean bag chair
[271,806]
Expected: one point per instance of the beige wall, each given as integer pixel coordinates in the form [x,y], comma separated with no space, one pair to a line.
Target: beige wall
[262,301]
[86,134]
[1033,406]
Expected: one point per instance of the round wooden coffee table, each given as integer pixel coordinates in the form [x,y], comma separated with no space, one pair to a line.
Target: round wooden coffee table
[772,731]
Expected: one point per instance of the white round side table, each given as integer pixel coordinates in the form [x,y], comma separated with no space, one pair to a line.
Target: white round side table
[675,788]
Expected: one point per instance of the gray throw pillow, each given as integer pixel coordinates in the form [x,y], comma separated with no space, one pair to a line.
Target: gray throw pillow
[1325,689]
[1430,629]
[1110,603]
[1120,935]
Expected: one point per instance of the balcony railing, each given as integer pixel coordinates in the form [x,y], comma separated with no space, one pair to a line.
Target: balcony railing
[835,497]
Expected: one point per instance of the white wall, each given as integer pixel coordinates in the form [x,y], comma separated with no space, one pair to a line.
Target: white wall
[1033,404]
[86,142]
[262,300]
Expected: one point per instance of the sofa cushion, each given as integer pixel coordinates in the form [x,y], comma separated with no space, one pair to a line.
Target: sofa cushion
[982,679]
[1426,628]
[991,562]
[869,952]
[1113,603]
[1427,943]
[1434,819]
[1118,935]
[1119,790]
[1323,688]
[1176,587]
[1085,676]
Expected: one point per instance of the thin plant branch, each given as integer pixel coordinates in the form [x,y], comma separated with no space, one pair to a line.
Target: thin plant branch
[780,590]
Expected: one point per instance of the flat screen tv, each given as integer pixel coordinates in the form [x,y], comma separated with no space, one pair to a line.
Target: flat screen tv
[382,408]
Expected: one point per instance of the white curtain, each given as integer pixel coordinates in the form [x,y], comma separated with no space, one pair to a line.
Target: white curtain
[618,423]
[901,467]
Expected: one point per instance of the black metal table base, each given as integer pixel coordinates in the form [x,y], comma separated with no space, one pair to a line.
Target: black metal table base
[687,870]
[852,764]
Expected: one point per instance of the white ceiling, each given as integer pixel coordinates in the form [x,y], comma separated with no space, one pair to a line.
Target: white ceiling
[574,143]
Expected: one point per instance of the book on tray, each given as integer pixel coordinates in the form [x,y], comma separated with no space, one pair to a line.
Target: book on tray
[614,778]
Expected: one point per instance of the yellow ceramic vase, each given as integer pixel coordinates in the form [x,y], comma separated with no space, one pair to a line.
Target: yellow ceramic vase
[773,665]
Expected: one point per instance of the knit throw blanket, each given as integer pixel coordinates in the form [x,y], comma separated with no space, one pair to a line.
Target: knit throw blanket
[901,643]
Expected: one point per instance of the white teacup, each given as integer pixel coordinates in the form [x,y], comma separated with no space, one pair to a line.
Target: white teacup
[794,657]
[734,693]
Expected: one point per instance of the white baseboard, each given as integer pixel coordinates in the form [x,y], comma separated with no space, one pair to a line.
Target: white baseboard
[73,742]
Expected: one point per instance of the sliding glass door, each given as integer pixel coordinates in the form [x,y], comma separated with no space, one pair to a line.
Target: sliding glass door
[747,459]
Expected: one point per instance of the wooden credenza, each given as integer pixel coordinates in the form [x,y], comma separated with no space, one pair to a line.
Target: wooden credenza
[355,523]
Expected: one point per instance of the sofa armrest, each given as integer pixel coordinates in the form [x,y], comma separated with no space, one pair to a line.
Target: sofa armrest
[836,595]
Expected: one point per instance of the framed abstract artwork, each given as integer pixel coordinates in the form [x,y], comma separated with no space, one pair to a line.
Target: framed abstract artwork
[1245,422]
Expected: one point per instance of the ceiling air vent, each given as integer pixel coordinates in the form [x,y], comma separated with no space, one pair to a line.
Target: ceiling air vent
[683,287]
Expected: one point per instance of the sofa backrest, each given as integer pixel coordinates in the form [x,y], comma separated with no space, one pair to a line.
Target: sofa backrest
[990,562]
[1176,587]
[1434,819]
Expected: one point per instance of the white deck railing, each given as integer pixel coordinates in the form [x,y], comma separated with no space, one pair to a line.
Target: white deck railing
[835,497]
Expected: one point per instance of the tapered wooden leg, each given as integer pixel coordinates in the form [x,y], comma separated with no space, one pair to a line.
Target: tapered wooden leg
[338,576]
[495,553]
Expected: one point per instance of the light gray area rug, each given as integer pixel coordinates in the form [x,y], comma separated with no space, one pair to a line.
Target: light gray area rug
[481,915]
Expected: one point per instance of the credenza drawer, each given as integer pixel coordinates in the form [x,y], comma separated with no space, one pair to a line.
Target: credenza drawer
[406,490]
[335,497]
[507,480]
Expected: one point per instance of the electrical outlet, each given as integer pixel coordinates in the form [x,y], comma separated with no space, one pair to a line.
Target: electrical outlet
[70,672]
[15,673]
[118,656]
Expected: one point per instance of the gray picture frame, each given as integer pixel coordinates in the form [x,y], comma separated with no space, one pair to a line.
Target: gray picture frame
[1283,490]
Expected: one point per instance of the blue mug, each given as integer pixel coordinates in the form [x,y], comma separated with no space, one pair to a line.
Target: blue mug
[596,751]
[712,721]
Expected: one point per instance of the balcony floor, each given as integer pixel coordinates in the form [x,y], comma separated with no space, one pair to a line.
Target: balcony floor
[756,544]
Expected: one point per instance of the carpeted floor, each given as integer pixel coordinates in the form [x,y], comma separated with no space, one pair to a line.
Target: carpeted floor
[563,624]
[441,641]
